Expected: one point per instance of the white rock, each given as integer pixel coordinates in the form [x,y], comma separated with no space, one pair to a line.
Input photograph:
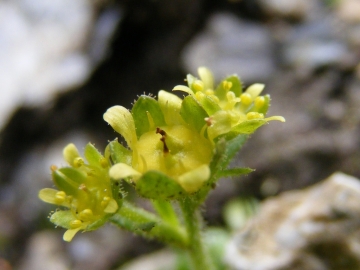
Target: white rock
[306,229]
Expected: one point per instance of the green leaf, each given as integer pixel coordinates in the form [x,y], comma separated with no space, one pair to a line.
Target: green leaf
[192,113]
[249,126]
[92,155]
[234,172]
[118,153]
[62,218]
[236,87]
[147,115]
[156,185]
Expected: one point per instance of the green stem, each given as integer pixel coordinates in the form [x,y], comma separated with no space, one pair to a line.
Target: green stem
[193,221]
[144,223]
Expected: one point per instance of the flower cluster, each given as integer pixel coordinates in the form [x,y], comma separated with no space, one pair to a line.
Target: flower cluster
[83,188]
[229,108]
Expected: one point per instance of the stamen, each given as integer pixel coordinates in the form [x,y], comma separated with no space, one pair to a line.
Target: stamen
[86,214]
[209,92]
[78,162]
[60,197]
[199,96]
[198,85]
[105,201]
[104,163]
[259,102]
[227,85]
[53,168]
[254,115]
[74,224]
[246,99]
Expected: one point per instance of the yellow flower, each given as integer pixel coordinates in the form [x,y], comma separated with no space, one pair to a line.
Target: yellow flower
[229,108]
[160,140]
[84,189]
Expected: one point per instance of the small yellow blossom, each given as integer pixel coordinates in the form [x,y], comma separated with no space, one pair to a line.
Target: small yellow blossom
[228,107]
[84,189]
[160,140]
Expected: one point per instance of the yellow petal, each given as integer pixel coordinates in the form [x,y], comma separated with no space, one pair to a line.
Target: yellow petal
[193,180]
[70,153]
[278,118]
[255,89]
[207,77]
[122,170]
[49,195]
[184,89]
[122,122]
[111,207]
[69,234]
[170,106]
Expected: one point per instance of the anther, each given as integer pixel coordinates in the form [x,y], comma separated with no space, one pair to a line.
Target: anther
[86,214]
[227,85]
[60,197]
[246,99]
[105,201]
[76,223]
[259,102]
[78,162]
[104,163]
[53,168]
[254,115]
[198,85]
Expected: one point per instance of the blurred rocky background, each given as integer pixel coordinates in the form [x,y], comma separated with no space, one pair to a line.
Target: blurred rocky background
[64,62]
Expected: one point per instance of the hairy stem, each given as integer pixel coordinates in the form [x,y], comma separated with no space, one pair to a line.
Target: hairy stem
[144,223]
[193,221]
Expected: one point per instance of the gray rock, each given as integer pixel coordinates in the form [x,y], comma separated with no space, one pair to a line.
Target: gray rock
[296,9]
[316,228]
[41,49]
[314,44]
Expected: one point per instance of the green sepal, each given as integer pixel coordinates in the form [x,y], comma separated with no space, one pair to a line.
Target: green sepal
[62,218]
[92,155]
[98,223]
[140,110]
[118,153]
[156,185]
[236,87]
[118,193]
[249,126]
[209,105]
[192,113]
[233,172]
[69,179]
[230,148]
